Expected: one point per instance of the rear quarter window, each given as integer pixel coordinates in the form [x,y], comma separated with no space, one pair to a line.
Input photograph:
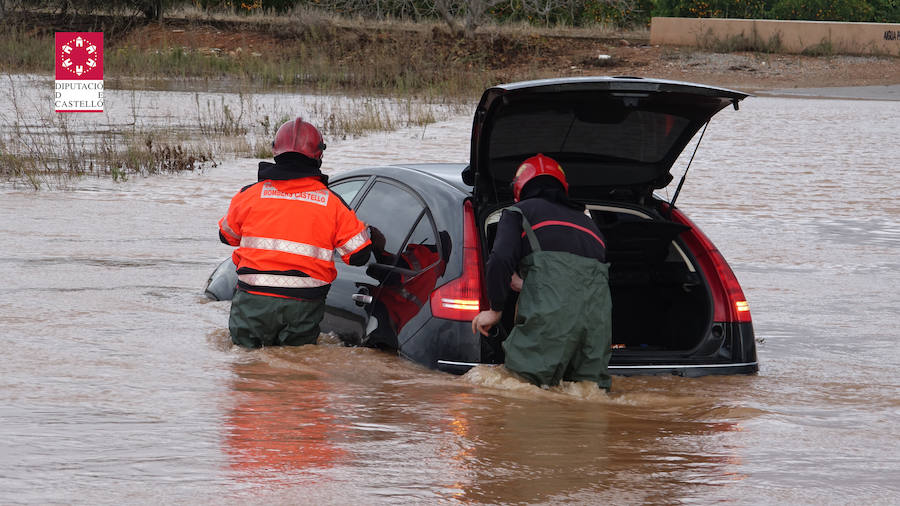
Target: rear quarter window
[347,190]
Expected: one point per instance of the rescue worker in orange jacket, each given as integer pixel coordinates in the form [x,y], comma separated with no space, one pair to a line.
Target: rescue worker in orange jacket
[287,227]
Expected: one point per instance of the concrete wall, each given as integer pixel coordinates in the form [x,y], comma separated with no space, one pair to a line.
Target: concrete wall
[791,36]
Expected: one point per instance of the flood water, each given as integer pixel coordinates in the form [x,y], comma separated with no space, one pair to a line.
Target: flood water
[118,383]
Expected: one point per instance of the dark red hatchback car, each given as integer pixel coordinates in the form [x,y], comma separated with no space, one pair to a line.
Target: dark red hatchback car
[677,306]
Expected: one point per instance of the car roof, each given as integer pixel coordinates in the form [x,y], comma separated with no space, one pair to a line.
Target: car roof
[449,172]
[627,82]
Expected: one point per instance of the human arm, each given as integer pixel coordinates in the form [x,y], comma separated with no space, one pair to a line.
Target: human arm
[230,225]
[504,259]
[352,240]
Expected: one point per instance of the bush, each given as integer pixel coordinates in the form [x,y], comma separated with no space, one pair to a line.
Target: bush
[620,13]
[742,9]
[886,11]
[247,6]
[625,14]
[881,11]
[823,10]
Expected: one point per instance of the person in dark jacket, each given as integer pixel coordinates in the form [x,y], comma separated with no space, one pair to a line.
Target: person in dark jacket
[287,228]
[552,251]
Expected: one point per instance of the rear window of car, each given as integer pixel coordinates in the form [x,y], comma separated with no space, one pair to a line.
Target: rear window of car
[617,135]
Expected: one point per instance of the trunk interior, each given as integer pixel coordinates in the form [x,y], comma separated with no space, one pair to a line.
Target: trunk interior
[661,303]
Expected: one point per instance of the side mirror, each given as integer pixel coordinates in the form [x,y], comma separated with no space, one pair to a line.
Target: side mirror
[222,283]
[468,176]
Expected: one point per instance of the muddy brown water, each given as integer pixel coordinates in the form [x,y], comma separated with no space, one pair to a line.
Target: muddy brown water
[119,384]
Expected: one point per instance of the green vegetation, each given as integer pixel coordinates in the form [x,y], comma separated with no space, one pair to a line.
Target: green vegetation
[878,11]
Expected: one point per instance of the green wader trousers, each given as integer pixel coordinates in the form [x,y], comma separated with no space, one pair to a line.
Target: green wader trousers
[260,320]
[563,325]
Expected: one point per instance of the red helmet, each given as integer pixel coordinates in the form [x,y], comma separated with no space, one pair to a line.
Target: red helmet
[298,136]
[537,165]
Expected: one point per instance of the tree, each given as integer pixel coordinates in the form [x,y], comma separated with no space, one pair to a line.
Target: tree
[152,9]
[472,12]
[379,9]
[544,8]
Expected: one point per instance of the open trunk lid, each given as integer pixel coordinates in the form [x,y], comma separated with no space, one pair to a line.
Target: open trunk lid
[615,138]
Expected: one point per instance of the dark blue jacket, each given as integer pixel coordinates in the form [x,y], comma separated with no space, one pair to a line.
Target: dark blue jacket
[558,227]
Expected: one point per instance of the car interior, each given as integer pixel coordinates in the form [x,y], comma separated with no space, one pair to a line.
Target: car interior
[660,300]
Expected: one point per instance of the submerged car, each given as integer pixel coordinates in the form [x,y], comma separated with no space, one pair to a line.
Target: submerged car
[677,306]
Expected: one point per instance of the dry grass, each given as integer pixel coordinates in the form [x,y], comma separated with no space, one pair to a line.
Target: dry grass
[315,52]
[47,149]
[52,154]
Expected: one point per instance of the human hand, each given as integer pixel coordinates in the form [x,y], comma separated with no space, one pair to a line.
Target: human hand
[485,320]
[378,239]
[516,283]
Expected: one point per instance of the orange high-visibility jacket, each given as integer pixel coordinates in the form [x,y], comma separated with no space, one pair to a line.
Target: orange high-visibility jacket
[286,232]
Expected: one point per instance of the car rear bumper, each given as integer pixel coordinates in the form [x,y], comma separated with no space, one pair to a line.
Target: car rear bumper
[691,370]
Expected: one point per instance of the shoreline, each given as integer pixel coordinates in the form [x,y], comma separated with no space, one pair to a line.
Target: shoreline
[879,92]
[882,92]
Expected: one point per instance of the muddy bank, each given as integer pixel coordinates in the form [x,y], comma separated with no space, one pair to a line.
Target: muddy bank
[764,71]
[513,55]
[339,56]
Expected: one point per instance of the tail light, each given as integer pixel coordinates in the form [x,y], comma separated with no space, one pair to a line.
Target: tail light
[462,298]
[728,298]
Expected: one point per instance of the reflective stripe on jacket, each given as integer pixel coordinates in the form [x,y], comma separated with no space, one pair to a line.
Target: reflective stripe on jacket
[287,232]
